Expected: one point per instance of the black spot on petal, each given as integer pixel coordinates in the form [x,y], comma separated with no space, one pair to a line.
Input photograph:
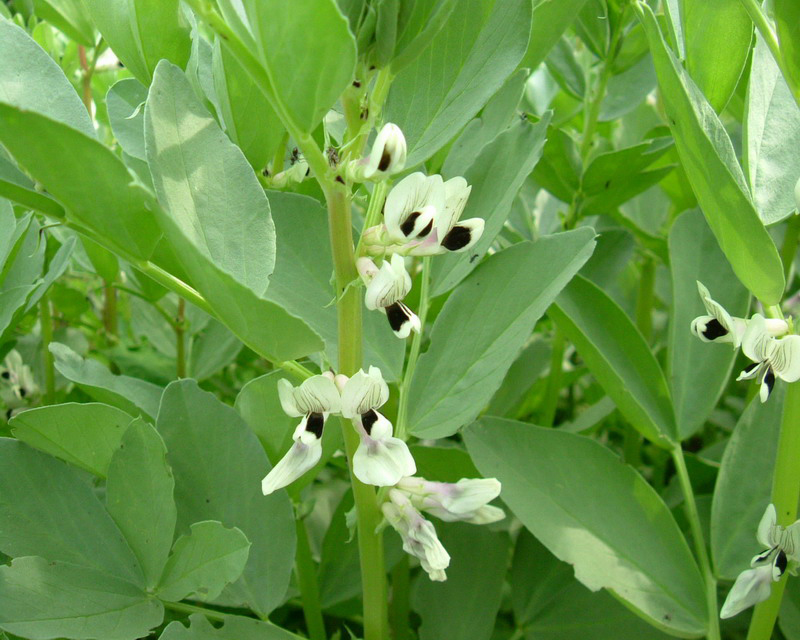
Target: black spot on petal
[5,375]
[750,367]
[22,392]
[397,314]
[408,224]
[781,561]
[458,238]
[714,330]
[769,380]
[426,230]
[315,423]
[386,160]
[368,419]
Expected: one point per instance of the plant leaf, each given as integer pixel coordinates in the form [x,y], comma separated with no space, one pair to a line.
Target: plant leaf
[483,326]
[599,515]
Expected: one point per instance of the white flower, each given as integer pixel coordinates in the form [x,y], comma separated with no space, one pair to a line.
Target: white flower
[772,357]
[386,288]
[380,459]
[302,456]
[18,386]
[751,587]
[421,218]
[466,500]
[418,534]
[720,326]
[315,399]
[754,585]
[388,154]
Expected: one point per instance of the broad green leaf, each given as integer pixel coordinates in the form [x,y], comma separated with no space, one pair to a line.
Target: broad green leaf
[597,514]
[129,394]
[218,218]
[125,103]
[699,371]
[496,117]
[787,21]
[708,157]
[443,463]
[249,119]
[592,25]
[465,64]
[10,303]
[139,497]
[618,357]
[301,283]
[717,34]
[44,599]
[18,187]
[215,348]
[565,69]
[48,150]
[218,465]
[31,80]
[142,32]
[628,89]
[531,364]
[550,19]
[772,136]
[418,24]
[69,16]
[305,47]
[559,169]
[496,176]
[744,485]
[46,508]
[483,326]
[203,562]
[550,604]
[463,607]
[86,435]
[614,177]
[235,628]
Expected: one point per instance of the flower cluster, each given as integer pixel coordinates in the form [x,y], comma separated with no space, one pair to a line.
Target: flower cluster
[781,552]
[763,340]
[381,460]
[17,386]
[421,217]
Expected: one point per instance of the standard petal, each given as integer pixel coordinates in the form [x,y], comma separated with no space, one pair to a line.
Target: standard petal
[286,396]
[751,587]
[785,358]
[411,195]
[382,462]
[757,344]
[317,394]
[389,285]
[388,154]
[463,235]
[364,391]
[766,526]
[301,457]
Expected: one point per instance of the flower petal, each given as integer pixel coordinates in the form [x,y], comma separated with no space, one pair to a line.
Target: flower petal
[317,394]
[402,320]
[389,285]
[412,194]
[785,358]
[751,587]
[388,154]
[456,192]
[382,462]
[765,526]
[463,235]
[757,344]
[301,457]
[364,391]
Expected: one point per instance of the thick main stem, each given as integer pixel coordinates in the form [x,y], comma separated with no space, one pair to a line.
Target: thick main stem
[47,338]
[785,494]
[370,544]
[180,338]
[693,517]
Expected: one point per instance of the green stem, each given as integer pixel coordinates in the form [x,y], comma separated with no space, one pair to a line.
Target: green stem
[370,545]
[768,35]
[401,608]
[699,541]
[789,246]
[180,338]
[550,404]
[110,311]
[785,494]
[280,152]
[644,299]
[47,338]
[307,580]
[374,210]
[416,345]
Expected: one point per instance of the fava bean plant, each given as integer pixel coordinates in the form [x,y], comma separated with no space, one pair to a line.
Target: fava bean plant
[399,319]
